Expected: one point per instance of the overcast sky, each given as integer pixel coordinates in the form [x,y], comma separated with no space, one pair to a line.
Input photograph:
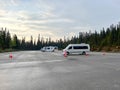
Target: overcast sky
[57,18]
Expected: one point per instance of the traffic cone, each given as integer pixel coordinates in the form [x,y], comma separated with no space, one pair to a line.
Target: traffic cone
[86,54]
[10,56]
[65,54]
[104,53]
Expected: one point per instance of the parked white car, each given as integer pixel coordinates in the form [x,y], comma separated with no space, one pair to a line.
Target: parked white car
[77,49]
[48,49]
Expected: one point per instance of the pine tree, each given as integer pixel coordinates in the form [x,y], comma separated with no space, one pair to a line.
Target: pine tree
[8,40]
[23,44]
[15,42]
[31,43]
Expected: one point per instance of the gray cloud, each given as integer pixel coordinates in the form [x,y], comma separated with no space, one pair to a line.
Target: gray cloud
[67,17]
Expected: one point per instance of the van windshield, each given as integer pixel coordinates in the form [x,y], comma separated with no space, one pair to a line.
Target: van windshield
[70,47]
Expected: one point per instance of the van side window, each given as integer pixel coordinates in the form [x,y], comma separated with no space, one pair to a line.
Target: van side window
[80,47]
[77,47]
[48,48]
[85,47]
[70,47]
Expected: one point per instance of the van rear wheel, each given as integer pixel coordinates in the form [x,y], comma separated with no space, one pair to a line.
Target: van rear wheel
[83,53]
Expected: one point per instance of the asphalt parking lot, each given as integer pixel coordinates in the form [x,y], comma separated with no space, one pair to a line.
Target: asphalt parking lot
[35,70]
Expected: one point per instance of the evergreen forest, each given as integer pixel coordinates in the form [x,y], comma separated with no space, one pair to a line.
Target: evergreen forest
[106,40]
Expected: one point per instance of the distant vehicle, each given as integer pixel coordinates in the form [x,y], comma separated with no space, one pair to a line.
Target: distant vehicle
[48,49]
[77,49]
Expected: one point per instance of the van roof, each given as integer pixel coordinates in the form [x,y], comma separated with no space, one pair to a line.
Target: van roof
[79,44]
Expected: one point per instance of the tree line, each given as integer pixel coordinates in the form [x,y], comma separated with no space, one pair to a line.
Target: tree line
[107,40]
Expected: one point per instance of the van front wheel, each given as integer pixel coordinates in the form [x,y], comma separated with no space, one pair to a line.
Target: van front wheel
[68,53]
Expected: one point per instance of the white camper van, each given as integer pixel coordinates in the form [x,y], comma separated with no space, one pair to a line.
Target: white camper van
[77,48]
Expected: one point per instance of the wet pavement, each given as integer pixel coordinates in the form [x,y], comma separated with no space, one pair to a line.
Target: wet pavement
[35,70]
